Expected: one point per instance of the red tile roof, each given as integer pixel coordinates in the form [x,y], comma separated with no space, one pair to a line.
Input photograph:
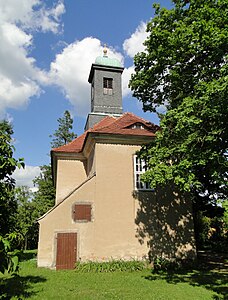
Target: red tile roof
[111,125]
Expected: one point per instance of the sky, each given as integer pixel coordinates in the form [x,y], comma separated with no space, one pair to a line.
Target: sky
[46,51]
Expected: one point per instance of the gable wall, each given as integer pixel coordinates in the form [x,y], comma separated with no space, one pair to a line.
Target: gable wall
[60,220]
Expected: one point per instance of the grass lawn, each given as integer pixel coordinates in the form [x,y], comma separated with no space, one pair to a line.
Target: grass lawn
[34,283]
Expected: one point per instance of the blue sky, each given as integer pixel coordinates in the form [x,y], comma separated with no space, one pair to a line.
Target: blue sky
[47,48]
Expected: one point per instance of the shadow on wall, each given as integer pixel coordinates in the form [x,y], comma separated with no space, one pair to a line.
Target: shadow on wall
[164,221]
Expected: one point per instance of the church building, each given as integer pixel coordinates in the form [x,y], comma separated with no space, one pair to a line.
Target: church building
[102,210]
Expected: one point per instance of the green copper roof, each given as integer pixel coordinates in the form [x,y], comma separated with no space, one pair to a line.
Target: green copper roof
[106,61]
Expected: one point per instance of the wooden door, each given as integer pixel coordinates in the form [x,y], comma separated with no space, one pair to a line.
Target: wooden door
[66,255]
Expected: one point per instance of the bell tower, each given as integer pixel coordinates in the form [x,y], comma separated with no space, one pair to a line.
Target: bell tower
[106,89]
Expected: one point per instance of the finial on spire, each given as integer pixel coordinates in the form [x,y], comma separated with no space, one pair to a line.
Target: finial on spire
[105,50]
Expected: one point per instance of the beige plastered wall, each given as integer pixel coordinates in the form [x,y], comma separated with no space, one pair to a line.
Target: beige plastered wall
[125,224]
[115,204]
[70,174]
[60,220]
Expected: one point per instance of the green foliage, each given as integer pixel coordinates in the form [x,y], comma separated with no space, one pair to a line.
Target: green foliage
[8,205]
[110,266]
[8,208]
[63,135]
[211,233]
[186,45]
[8,165]
[44,197]
[26,255]
[191,148]
[203,229]
[185,68]
[26,221]
[8,259]
[161,264]
[225,216]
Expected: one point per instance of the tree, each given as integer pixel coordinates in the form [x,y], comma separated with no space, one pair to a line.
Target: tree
[44,198]
[8,164]
[186,45]
[185,68]
[8,257]
[63,135]
[26,223]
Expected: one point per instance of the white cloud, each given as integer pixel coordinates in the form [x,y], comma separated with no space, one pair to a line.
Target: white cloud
[48,19]
[70,70]
[134,44]
[14,95]
[26,176]
[125,80]
[32,14]
[20,79]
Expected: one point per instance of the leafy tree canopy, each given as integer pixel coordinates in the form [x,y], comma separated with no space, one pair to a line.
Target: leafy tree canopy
[63,135]
[8,163]
[185,68]
[7,166]
[44,198]
[8,261]
[26,223]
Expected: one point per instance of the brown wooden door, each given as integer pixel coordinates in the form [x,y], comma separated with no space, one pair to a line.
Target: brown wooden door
[66,255]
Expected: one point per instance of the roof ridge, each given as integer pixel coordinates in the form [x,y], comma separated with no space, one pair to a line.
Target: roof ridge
[118,120]
[111,125]
[144,120]
[96,126]
[102,121]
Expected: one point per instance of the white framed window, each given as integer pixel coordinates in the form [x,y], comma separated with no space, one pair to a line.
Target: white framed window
[108,86]
[140,167]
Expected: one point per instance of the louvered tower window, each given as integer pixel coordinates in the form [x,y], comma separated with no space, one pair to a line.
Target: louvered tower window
[108,86]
